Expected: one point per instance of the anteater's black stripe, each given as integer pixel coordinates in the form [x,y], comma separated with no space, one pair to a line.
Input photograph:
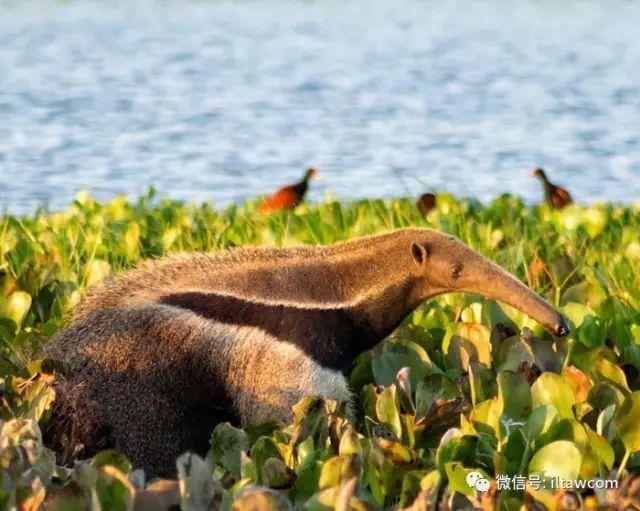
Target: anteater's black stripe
[329,336]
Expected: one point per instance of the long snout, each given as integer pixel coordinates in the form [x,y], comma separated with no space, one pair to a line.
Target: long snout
[497,284]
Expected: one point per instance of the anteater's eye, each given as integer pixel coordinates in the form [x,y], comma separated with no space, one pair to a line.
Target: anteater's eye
[456,270]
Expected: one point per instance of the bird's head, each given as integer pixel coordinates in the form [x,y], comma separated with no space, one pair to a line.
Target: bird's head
[537,172]
[426,202]
[311,173]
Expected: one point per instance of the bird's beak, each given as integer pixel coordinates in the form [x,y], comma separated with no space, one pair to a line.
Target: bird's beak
[532,172]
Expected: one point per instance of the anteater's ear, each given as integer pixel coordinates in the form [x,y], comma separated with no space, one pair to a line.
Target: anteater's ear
[420,252]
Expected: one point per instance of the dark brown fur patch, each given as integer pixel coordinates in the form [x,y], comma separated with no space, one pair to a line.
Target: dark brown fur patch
[331,336]
[78,428]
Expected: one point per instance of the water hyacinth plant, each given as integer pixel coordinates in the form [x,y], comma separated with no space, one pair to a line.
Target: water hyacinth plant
[464,385]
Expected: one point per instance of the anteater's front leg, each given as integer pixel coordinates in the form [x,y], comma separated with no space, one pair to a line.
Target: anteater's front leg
[268,376]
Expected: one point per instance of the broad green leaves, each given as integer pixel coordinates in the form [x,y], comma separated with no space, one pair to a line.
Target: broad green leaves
[483,386]
[387,411]
[466,343]
[627,422]
[552,389]
[399,354]
[558,459]
[15,307]
[227,445]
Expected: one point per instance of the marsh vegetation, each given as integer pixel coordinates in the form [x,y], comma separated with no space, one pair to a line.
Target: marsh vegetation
[464,384]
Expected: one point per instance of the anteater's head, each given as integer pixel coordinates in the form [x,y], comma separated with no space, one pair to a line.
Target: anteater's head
[444,264]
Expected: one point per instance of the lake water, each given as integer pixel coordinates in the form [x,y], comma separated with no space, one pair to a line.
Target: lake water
[217,100]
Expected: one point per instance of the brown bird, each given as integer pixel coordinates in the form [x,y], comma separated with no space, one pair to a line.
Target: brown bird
[426,202]
[556,196]
[290,196]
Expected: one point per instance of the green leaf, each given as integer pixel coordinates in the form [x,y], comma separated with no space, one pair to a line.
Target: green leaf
[605,425]
[493,314]
[565,429]
[434,391]
[576,313]
[510,355]
[457,477]
[263,449]
[227,444]
[601,448]
[552,389]
[454,446]
[586,292]
[482,383]
[275,474]
[38,399]
[595,220]
[116,459]
[540,420]
[514,396]
[401,354]
[590,333]
[15,307]
[627,420]
[486,417]
[558,459]
[339,469]
[465,343]
[606,370]
[410,489]
[349,442]
[309,473]
[114,490]
[603,395]
[387,411]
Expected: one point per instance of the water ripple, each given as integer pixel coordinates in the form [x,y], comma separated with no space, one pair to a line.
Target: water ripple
[222,101]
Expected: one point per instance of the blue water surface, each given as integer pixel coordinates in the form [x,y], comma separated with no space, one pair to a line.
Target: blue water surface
[219,100]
